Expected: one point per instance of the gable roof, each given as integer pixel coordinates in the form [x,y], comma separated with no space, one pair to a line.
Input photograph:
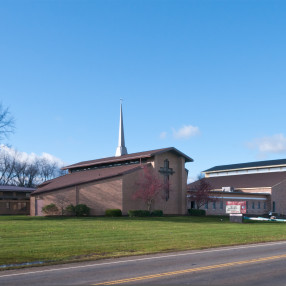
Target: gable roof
[128,157]
[259,164]
[82,177]
[259,180]
[16,189]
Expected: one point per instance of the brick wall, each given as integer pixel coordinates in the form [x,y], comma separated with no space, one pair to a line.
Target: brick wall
[14,207]
[99,196]
[279,198]
[102,195]
[254,206]
[178,182]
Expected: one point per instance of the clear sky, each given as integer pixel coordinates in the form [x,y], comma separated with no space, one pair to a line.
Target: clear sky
[206,77]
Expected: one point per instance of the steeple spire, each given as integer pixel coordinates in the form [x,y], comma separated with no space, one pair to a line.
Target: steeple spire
[121,149]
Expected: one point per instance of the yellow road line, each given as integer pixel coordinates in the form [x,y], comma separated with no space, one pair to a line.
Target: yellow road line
[190,270]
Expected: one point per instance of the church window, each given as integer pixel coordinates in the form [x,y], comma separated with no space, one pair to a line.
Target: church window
[253,205]
[206,205]
[246,205]
[258,205]
[214,205]
[273,207]
[221,205]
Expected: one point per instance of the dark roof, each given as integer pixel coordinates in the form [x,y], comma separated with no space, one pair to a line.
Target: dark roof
[258,164]
[16,189]
[236,193]
[82,177]
[258,180]
[133,156]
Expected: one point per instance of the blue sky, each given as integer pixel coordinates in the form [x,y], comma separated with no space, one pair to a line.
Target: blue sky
[207,77]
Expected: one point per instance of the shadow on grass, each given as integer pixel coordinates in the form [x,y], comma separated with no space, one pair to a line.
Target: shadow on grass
[170,219]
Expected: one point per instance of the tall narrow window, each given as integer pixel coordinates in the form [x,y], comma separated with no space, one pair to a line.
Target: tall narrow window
[253,205]
[192,204]
[258,205]
[206,205]
[273,207]
[221,205]
[214,205]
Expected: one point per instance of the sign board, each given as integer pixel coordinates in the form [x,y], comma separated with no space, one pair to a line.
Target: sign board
[236,218]
[236,207]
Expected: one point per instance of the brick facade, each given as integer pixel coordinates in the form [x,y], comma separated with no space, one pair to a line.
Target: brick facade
[15,200]
[278,198]
[178,182]
[117,191]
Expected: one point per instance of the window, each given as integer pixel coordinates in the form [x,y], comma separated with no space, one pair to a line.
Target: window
[258,205]
[253,205]
[206,206]
[7,205]
[214,205]
[221,205]
[246,205]
[273,207]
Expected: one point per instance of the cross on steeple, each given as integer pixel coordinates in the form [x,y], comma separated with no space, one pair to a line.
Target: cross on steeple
[166,171]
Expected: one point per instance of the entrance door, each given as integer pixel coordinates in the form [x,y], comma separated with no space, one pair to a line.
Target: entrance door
[38,207]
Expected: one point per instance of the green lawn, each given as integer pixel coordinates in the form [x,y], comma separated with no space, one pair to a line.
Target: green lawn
[27,239]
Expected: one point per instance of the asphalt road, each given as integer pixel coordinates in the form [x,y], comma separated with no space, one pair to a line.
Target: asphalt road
[257,264]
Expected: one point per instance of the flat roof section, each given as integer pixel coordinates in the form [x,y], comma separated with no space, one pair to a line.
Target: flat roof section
[249,165]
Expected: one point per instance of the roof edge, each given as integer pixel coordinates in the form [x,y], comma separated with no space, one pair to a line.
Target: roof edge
[127,157]
[91,180]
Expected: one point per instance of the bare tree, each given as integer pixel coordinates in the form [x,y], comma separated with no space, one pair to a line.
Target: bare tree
[201,193]
[26,173]
[62,202]
[48,170]
[7,167]
[150,186]
[7,122]
[16,170]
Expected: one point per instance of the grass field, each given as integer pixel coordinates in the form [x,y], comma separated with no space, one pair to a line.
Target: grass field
[27,239]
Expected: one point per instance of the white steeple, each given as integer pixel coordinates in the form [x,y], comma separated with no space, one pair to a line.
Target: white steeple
[121,149]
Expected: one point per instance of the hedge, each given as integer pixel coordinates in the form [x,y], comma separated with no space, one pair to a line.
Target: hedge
[50,209]
[78,210]
[157,213]
[70,209]
[113,212]
[138,213]
[196,212]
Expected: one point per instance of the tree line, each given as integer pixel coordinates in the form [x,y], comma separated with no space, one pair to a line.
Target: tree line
[14,169]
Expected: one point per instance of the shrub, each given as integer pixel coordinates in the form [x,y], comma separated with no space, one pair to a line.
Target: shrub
[139,213]
[196,212]
[81,210]
[70,209]
[157,213]
[113,212]
[50,209]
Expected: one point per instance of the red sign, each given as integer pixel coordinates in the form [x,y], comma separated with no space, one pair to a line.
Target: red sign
[236,207]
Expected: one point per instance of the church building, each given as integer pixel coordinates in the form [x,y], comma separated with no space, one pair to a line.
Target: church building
[110,183]
[262,185]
